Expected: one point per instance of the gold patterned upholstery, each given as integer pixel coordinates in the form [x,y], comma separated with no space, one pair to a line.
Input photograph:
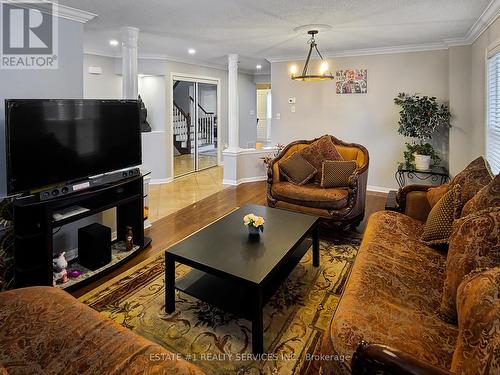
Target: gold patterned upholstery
[310,195]
[437,228]
[392,296]
[478,343]
[337,173]
[44,330]
[343,206]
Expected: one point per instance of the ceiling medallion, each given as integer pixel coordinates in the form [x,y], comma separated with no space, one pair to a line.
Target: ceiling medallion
[324,73]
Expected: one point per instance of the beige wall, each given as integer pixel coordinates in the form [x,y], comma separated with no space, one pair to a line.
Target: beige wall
[479,48]
[107,85]
[460,102]
[369,119]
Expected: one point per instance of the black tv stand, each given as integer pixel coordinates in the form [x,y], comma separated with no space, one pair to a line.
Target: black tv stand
[34,227]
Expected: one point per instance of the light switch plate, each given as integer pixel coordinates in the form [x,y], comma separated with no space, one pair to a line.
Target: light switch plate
[278,116]
[292,109]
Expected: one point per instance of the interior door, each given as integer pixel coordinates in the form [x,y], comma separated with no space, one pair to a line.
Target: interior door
[195,138]
[184,116]
[207,125]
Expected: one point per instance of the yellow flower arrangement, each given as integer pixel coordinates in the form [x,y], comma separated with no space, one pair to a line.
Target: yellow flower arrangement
[254,220]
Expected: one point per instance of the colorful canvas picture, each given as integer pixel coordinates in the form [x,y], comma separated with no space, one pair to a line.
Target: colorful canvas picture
[352,81]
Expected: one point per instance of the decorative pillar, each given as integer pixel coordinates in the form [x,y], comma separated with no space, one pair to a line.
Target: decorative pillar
[232,102]
[130,35]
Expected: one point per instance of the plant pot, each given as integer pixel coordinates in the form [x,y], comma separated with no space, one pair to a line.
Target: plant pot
[253,231]
[422,162]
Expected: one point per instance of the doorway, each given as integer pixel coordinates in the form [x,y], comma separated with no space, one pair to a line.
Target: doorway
[264,113]
[195,108]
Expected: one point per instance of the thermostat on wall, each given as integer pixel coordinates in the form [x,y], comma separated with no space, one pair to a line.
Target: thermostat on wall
[291,101]
[95,70]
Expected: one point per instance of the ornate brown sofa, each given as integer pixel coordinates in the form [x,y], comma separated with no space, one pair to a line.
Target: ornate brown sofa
[345,206]
[44,330]
[390,320]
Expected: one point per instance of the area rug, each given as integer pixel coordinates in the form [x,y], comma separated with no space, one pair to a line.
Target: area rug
[220,343]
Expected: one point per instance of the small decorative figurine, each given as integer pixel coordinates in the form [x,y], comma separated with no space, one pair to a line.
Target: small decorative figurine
[145,127]
[59,273]
[129,239]
[74,273]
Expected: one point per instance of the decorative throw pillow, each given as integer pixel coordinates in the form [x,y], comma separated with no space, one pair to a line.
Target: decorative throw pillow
[337,173]
[437,228]
[436,193]
[473,178]
[488,196]
[296,169]
[474,243]
[478,342]
[319,151]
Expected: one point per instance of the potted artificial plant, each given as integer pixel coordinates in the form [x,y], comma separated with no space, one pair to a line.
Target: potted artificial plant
[420,117]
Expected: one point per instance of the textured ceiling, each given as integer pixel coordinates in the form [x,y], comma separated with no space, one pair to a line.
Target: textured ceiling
[263,29]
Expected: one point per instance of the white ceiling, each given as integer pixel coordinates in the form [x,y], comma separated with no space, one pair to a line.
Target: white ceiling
[259,30]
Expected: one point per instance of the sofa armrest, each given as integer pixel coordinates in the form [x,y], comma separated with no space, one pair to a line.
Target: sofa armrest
[382,359]
[412,201]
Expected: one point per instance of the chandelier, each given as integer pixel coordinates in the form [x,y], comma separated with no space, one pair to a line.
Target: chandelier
[324,72]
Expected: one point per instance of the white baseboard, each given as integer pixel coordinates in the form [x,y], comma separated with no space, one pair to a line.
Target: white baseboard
[379,189]
[243,180]
[157,181]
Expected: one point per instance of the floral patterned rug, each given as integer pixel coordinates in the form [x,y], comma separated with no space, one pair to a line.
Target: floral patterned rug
[220,343]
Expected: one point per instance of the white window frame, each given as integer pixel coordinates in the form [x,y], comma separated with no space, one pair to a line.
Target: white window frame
[492,147]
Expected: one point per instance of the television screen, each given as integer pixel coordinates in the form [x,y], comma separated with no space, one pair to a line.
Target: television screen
[57,141]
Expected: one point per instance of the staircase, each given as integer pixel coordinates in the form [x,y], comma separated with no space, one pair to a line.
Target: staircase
[184,132]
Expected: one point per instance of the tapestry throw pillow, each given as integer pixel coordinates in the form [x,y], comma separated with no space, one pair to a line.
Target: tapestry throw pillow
[478,342]
[297,170]
[337,173]
[488,196]
[437,228]
[474,243]
[473,178]
[436,193]
[319,151]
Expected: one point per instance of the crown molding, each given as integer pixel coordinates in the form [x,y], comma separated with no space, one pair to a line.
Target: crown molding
[159,58]
[62,11]
[484,21]
[176,60]
[489,15]
[369,51]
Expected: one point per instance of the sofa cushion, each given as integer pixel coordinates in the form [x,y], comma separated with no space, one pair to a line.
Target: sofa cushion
[296,169]
[319,151]
[488,196]
[336,173]
[311,195]
[438,225]
[436,193]
[478,343]
[393,296]
[473,178]
[474,243]
[44,330]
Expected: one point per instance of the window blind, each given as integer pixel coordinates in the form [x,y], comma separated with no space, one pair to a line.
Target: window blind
[493,121]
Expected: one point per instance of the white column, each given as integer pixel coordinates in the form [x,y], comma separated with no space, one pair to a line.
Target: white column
[130,35]
[232,102]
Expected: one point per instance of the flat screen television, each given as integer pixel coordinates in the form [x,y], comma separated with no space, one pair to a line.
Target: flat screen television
[54,141]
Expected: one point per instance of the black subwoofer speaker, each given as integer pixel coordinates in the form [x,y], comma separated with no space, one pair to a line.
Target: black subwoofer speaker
[94,246]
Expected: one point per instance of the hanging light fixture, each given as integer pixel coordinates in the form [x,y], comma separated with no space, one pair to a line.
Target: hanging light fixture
[324,71]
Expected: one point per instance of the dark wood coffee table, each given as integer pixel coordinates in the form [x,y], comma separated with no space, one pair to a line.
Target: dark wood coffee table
[237,273]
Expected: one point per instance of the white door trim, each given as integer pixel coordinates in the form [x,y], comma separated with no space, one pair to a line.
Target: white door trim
[198,79]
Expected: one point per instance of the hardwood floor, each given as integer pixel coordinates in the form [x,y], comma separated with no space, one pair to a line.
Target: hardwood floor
[173,228]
